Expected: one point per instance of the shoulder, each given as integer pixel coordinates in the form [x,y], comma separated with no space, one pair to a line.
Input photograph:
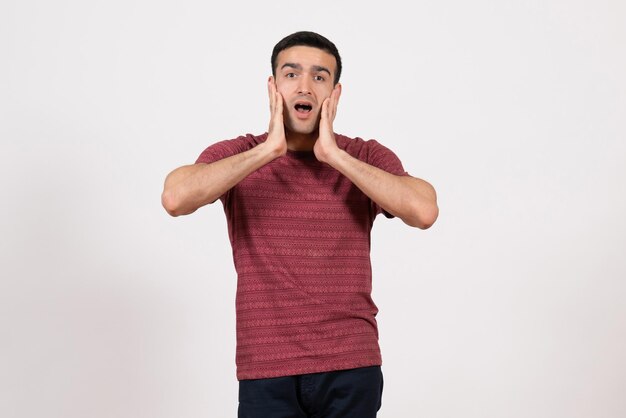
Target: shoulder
[228,147]
[371,152]
[241,143]
[359,147]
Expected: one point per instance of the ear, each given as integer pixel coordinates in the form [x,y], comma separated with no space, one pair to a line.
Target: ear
[337,90]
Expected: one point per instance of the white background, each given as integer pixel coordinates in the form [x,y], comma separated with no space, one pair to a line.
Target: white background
[512,305]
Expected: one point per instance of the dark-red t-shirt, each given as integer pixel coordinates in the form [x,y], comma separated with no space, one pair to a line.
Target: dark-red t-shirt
[300,235]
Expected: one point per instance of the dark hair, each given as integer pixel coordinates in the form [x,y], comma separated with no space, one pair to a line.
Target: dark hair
[311,39]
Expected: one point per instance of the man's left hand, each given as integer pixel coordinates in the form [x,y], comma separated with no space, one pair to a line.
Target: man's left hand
[326,146]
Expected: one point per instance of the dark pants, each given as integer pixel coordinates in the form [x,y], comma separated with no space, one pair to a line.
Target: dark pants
[354,393]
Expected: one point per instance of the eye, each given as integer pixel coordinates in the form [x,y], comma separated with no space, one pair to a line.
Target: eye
[290,75]
[319,78]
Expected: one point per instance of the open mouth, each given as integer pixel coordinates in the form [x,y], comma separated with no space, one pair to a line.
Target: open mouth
[303,108]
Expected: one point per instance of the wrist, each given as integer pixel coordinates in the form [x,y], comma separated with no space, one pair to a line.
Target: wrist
[334,156]
[272,150]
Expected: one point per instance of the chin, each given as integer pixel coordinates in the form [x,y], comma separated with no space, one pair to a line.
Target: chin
[302,128]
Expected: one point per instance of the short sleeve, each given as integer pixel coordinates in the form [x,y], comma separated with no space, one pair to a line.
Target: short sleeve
[382,157]
[229,147]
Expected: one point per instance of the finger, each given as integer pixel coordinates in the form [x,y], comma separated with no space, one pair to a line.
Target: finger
[334,102]
[271,91]
[337,95]
[324,112]
[279,105]
[327,118]
[330,107]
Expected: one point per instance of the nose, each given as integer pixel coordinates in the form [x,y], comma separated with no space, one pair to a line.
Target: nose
[304,86]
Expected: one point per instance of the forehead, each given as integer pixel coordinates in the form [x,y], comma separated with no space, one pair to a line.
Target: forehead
[306,56]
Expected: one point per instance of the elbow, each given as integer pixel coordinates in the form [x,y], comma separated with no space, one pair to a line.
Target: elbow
[421,207]
[175,206]
[171,204]
[429,218]
[423,217]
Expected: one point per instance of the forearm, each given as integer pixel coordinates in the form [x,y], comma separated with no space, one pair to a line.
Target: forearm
[411,199]
[190,187]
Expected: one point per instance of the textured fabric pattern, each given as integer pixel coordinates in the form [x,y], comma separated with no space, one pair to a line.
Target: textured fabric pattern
[300,234]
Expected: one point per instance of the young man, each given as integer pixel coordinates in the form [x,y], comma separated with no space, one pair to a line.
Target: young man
[300,201]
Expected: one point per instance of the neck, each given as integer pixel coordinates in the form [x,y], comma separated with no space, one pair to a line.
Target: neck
[301,142]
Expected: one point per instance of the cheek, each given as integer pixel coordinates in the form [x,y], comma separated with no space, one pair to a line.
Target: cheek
[282,88]
[323,93]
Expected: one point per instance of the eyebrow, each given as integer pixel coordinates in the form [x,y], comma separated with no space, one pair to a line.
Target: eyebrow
[316,68]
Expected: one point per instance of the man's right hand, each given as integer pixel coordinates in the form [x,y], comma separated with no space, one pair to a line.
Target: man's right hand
[189,187]
[276,139]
